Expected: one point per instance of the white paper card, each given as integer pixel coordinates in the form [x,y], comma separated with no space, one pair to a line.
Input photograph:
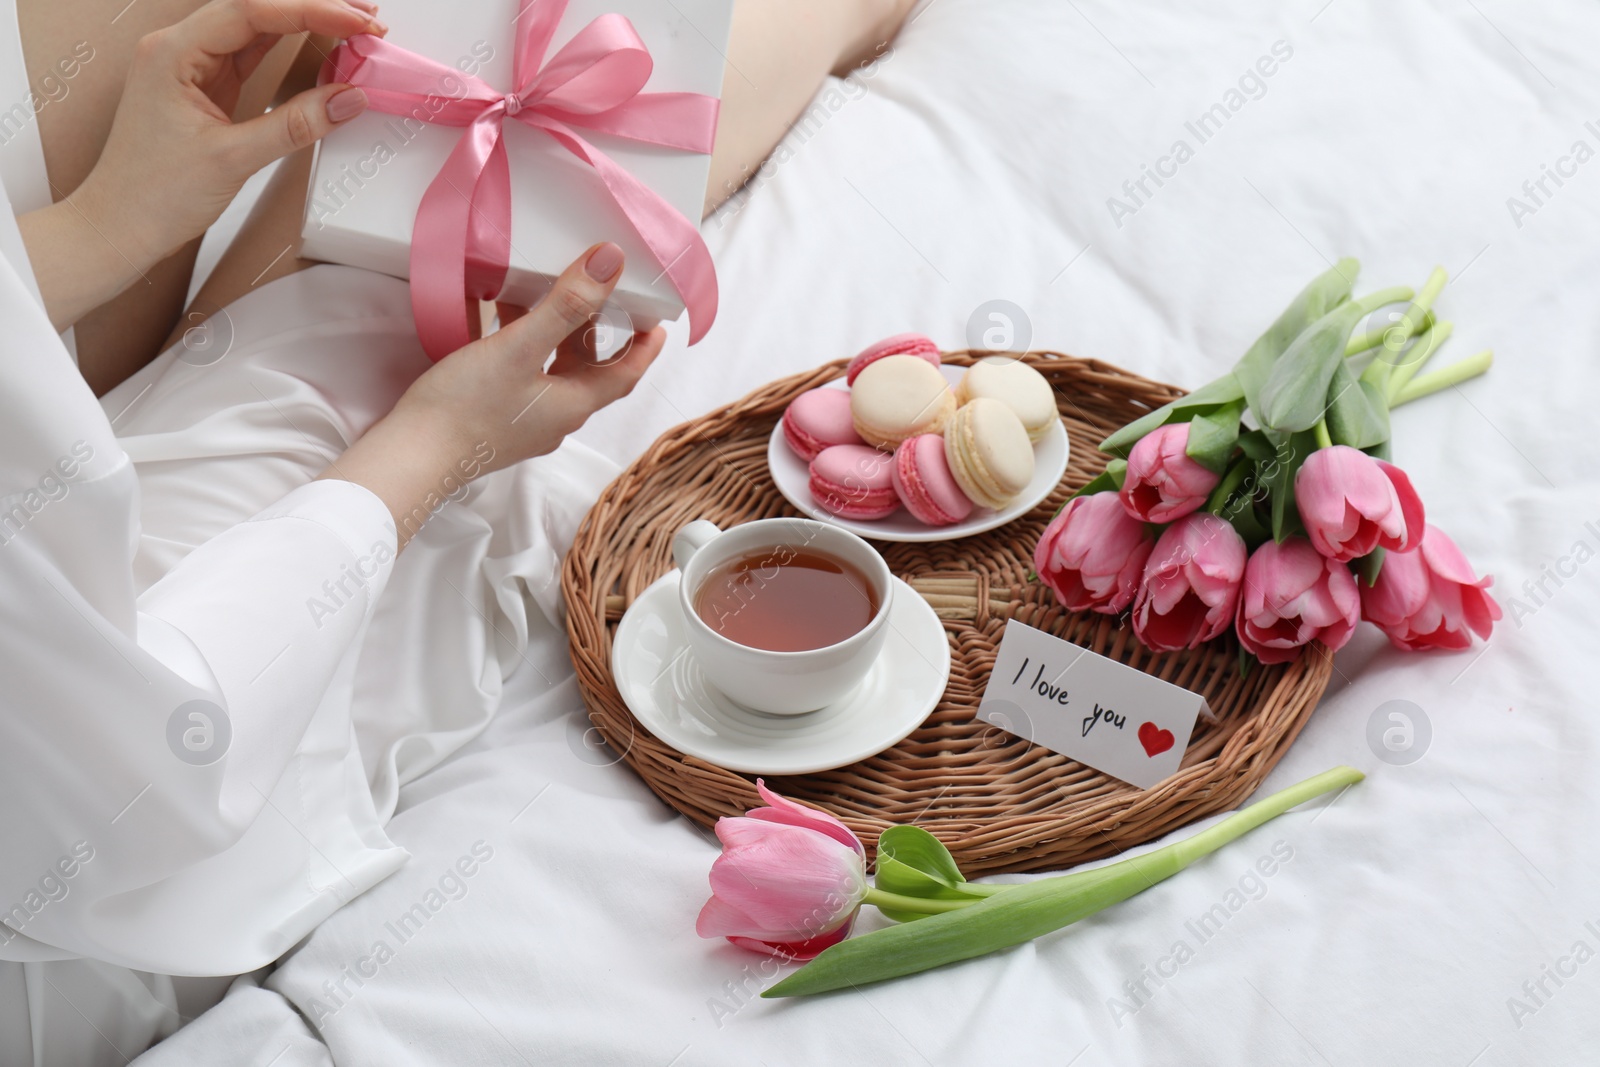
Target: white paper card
[1095,710]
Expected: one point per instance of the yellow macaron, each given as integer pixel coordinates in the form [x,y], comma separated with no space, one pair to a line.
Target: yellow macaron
[989,452]
[897,397]
[1017,385]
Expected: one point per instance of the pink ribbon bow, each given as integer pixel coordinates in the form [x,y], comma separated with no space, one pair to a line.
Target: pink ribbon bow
[461,245]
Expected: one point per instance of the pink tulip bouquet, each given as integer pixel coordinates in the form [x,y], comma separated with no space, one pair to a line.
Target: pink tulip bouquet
[1265,500]
[791,881]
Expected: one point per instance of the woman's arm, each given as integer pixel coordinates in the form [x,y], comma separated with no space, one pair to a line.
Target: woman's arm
[173,160]
[81,255]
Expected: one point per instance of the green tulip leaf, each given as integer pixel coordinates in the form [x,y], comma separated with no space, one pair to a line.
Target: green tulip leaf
[1247,662]
[914,863]
[1107,481]
[1325,292]
[1295,394]
[1358,416]
[1368,566]
[917,858]
[1290,452]
[1234,498]
[1250,527]
[1213,435]
[1254,444]
[1203,401]
[1241,512]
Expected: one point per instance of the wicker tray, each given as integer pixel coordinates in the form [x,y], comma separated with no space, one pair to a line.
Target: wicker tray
[998,802]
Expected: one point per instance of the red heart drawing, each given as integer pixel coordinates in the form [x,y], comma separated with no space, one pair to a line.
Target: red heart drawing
[1154,739]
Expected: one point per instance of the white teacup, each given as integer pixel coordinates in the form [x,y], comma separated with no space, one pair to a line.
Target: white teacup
[779,683]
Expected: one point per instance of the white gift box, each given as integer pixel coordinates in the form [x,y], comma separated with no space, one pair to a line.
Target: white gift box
[369,176]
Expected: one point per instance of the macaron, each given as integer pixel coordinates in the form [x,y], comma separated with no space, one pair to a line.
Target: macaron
[924,483]
[818,419]
[901,344]
[898,397]
[854,482]
[989,452]
[1015,384]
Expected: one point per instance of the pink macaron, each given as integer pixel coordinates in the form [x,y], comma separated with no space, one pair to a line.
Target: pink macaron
[923,481]
[854,482]
[819,419]
[901,344]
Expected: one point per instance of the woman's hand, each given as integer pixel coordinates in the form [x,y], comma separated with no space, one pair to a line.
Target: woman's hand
[493,402]
[174,158]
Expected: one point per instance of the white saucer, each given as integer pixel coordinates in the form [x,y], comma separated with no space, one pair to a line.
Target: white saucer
[662,684]
[792,475]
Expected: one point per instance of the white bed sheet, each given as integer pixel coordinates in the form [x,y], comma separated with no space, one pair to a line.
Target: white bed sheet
[975,165]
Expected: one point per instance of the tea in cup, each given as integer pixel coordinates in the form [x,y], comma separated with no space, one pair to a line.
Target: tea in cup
[783,615]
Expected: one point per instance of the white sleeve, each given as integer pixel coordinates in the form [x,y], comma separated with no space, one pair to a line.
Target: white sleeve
[100,749]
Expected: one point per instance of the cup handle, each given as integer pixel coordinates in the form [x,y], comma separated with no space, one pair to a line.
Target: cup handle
[691,539]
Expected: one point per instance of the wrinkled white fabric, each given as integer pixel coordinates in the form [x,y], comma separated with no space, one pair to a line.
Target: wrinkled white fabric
[163,547]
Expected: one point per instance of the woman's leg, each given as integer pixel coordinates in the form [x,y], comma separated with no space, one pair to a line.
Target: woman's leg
[778,54]
[120,337]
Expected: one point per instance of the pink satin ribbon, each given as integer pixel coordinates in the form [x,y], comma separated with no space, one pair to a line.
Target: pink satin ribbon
[461,245]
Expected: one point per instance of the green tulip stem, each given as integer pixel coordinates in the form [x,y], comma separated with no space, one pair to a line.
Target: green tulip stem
[1430,292]
[1324,439]
[1383,297]
[1392,339]
[878,898]
[1406,367]
[1395,334]
[1444,377]
[1246,819]
[978,889]
[1231,481]
[1165,862]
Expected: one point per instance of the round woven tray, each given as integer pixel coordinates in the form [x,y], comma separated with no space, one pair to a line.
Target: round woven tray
[998,802]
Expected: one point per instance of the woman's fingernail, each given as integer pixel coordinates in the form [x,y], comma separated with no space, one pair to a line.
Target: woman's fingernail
[366,7]
[603,263]
[346,104]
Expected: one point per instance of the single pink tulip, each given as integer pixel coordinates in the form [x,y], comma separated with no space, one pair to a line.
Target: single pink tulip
[1092,554]
[1162,482]
[1191,584]
[1430,597]
[789,881]
[1294,595]
[1351,503]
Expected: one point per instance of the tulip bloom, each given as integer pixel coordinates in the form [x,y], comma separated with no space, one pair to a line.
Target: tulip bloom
[1092,554]
[1430,597]
[1191,584]
[1294,595]
[789,881]
[1351,503]
[1162,482]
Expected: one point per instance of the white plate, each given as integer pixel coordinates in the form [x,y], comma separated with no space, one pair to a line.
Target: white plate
[662,684]
[793,478]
